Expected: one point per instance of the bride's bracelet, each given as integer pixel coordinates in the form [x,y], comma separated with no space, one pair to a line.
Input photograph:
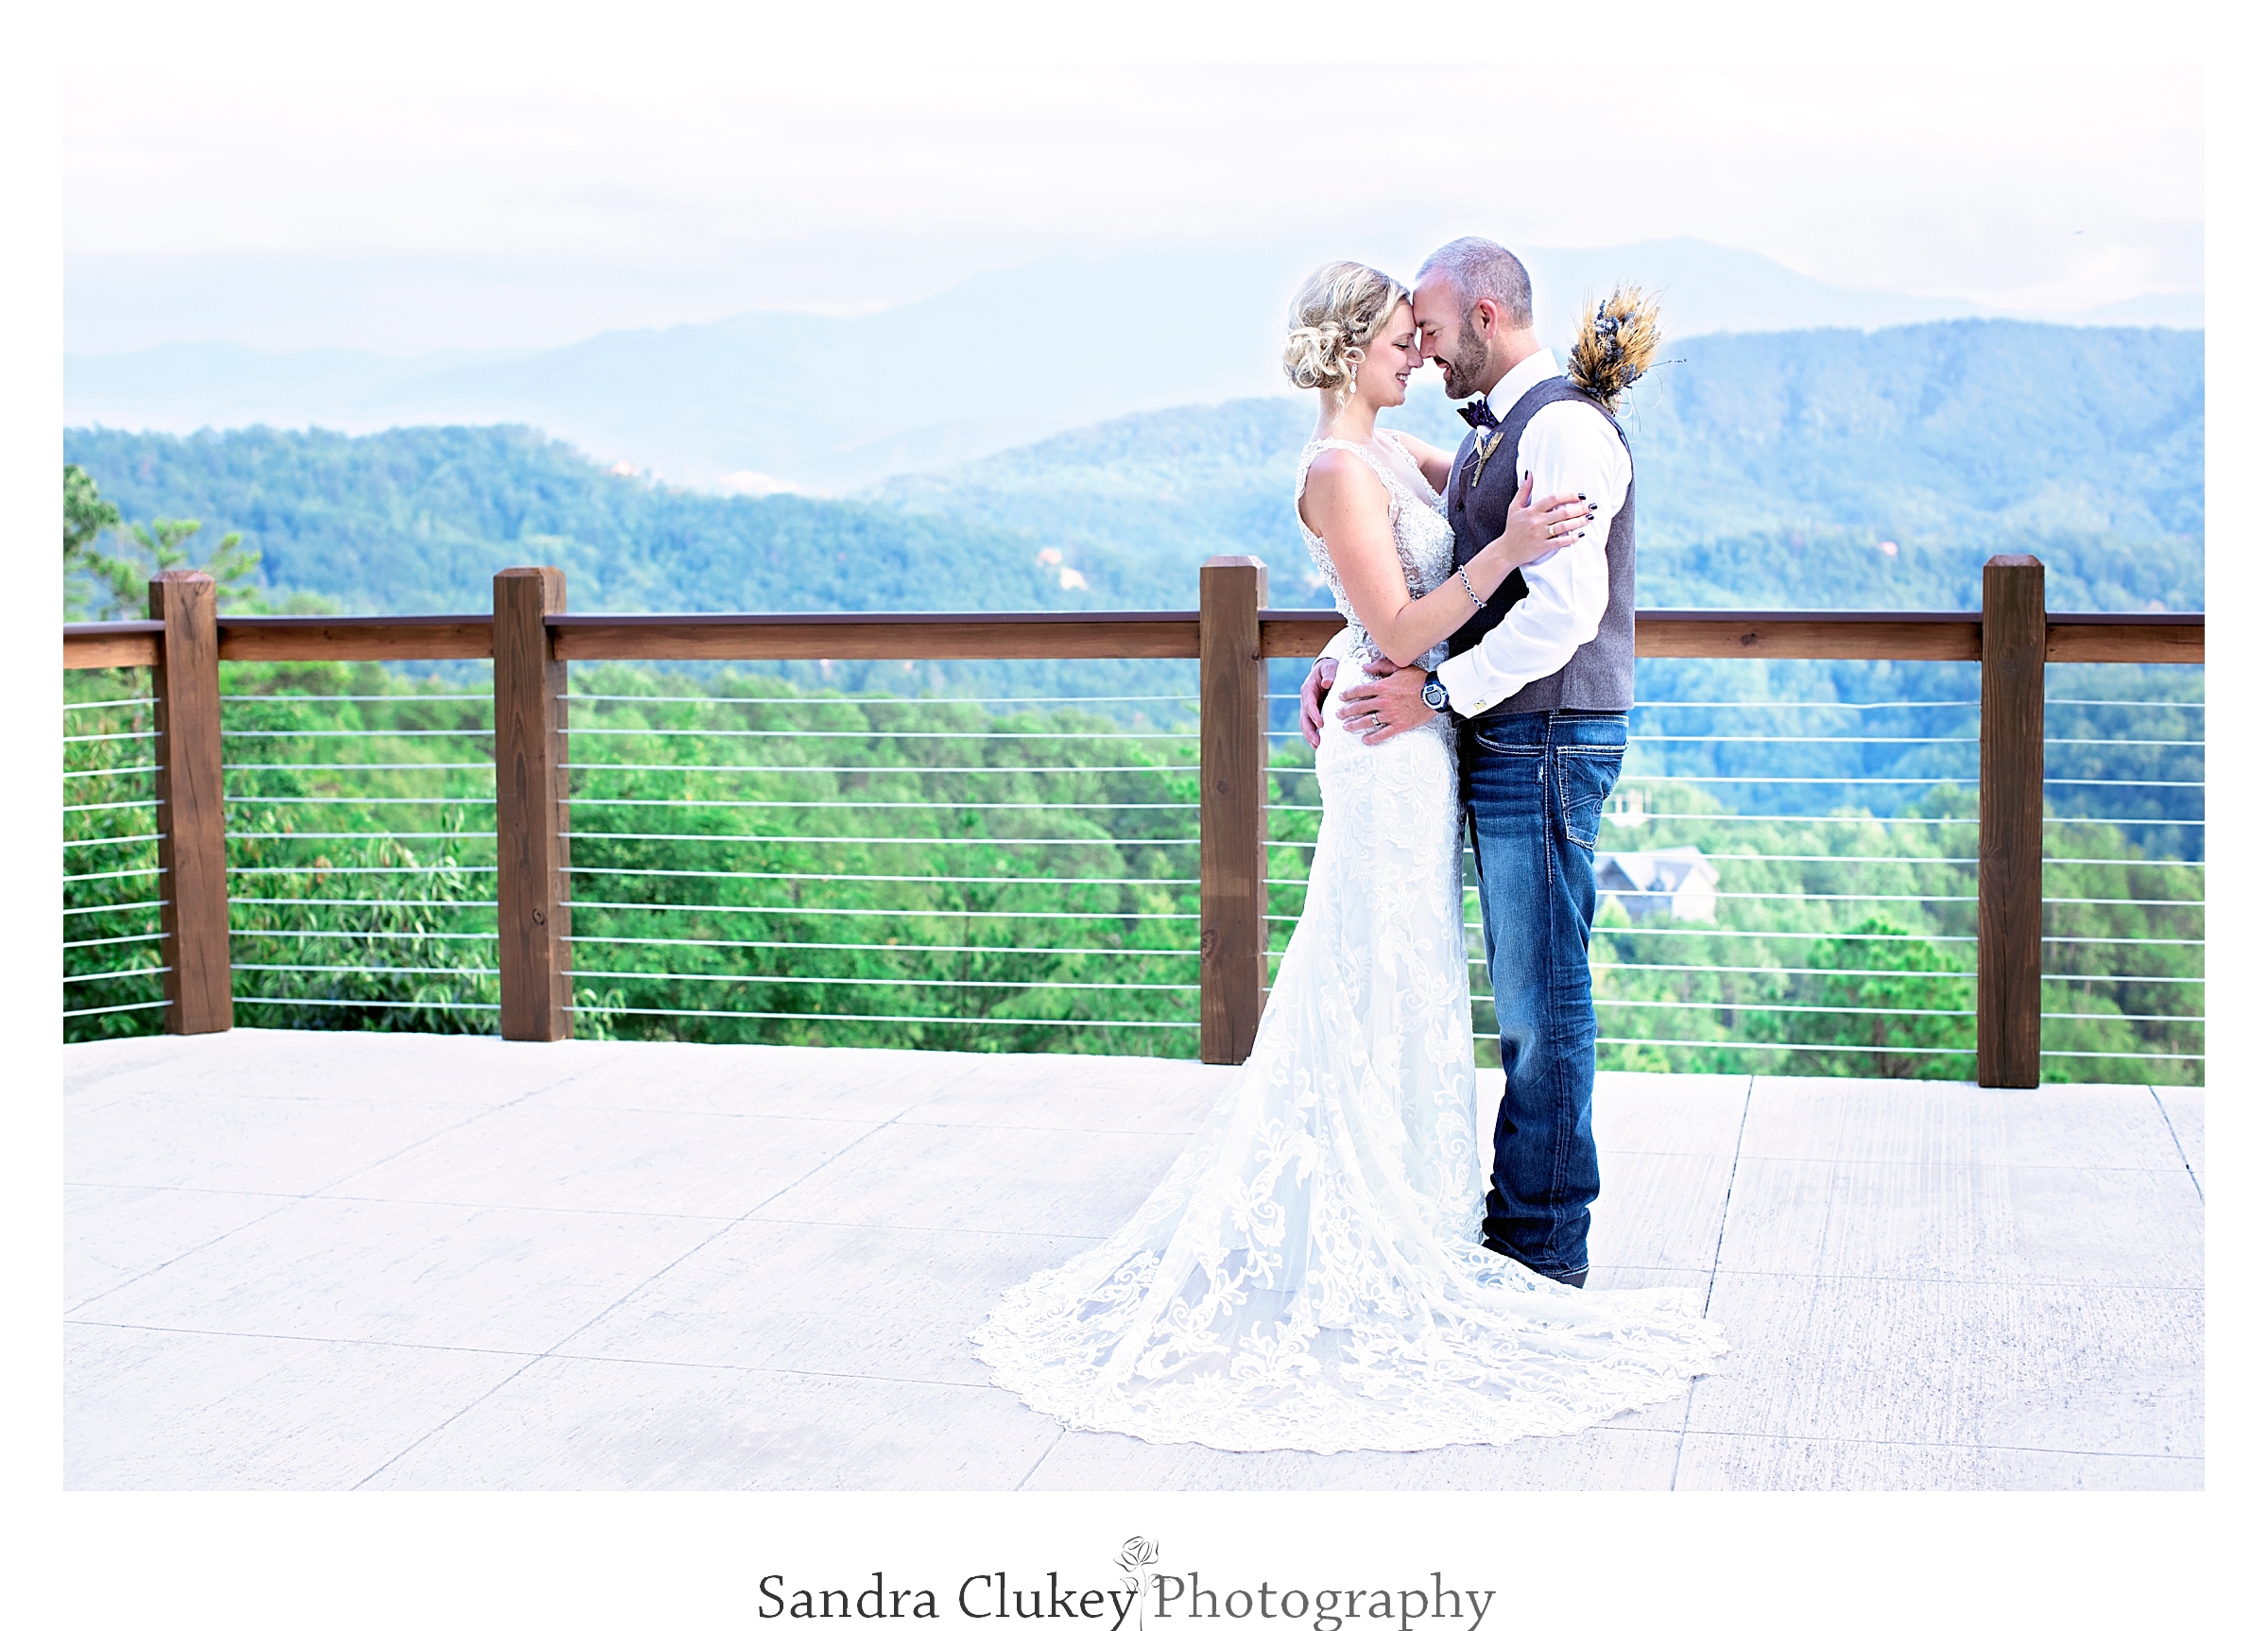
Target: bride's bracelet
[1477,601]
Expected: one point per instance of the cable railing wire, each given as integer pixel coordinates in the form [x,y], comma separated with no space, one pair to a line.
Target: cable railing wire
[799,909]
[898,1019]
[860,701]
[891,734]
[955,949]
[1002,842]
[885,877]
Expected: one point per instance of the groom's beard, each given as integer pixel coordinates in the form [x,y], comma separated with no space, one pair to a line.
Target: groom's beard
[1461,369]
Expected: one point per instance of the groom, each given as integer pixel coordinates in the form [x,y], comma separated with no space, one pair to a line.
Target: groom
[1540,683]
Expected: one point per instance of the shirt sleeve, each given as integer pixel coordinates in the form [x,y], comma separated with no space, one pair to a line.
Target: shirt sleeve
[1338,646]
[1570,447]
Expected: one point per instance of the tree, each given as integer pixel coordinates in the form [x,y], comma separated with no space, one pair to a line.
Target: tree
[120,579]
[86,513]
[1875,980]
[117,581]
[86,517]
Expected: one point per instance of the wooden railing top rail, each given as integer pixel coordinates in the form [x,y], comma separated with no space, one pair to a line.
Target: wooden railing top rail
[122,644]
[764,636]
[1907,636]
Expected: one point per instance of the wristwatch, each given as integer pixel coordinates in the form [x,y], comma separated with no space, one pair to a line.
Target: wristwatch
[1434,694]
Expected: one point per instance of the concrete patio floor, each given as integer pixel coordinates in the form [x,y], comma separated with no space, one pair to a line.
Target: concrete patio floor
[313,1261]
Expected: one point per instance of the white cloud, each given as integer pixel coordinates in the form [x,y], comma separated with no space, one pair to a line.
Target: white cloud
[580,206]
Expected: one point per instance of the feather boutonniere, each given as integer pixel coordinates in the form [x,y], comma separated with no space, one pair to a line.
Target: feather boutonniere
[1484,445]
[1615,344]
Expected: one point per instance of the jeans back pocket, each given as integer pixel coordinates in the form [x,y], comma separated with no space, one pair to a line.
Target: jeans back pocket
[1586,776]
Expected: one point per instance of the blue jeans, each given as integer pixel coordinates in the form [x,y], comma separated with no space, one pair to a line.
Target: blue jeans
[1532,785]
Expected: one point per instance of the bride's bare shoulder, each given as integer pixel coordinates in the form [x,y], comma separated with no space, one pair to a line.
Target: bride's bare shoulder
[1338,475]
[1341,490]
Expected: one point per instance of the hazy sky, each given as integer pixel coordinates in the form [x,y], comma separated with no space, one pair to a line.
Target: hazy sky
[405,216]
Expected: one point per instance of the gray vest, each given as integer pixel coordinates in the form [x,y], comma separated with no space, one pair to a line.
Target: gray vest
[1599,676]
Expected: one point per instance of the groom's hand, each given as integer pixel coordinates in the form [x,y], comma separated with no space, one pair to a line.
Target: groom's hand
[1319,680]
[1387,704]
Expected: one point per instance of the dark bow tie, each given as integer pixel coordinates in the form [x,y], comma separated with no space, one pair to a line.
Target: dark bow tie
[1477,413]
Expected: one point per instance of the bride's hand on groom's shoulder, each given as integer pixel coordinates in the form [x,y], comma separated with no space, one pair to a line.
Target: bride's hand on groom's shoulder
[1535,527]
[1319,680]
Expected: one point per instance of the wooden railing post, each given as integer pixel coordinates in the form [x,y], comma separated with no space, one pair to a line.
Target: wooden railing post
[2011,757]
[531,808]
[192,818]
[1232,896]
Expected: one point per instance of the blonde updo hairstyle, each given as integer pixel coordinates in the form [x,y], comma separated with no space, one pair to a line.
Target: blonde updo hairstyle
[1338,312]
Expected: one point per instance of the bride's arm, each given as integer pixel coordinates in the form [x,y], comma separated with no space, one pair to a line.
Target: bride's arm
[1346,505]
[1432,461]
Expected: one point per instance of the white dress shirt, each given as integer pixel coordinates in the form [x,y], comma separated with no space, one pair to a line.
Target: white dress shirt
[1570,447]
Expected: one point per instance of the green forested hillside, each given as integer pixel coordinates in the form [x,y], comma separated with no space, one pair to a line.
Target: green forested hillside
[418,519]
[1927,430]
[1772,469]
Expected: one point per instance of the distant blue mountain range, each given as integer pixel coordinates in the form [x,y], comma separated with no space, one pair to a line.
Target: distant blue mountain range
[1773,469]
[761,400]
[1801,454]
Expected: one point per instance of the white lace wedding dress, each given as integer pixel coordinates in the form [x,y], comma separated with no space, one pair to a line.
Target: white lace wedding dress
[1308,1276]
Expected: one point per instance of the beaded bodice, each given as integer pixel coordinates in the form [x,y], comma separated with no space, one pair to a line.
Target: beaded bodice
[1421,535]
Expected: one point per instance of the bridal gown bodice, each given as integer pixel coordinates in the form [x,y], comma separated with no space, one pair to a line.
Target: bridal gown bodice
[1308,1275]
[1421,537]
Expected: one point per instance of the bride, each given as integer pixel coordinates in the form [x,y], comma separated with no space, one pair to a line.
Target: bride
[1309,1275]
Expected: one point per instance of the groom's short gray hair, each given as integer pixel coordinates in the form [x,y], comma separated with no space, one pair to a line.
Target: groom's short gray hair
[1478,270]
